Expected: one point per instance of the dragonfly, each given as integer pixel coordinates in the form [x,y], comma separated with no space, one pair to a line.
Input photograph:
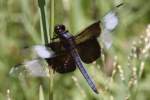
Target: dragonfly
[69,52]
[65,55]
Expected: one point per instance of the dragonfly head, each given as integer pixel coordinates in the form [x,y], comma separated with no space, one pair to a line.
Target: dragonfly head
[59,29]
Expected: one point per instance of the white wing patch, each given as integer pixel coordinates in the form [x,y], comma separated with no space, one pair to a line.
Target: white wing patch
[110,21]
[43,51]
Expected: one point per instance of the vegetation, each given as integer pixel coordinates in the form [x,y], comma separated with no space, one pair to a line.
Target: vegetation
[122,73]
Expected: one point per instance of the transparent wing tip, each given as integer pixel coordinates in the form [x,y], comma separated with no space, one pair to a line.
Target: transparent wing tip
[30,68]
[16,70]
[106,38]
[37,68]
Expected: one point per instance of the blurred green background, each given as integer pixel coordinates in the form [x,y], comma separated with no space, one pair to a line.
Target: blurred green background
[122,73]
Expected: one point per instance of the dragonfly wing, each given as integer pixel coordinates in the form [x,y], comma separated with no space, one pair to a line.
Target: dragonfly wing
[39,57]
[35,68]
[87,44]
[34,62]
[43,51]
[38,51]
[106,38]
[109,23]
[93,31]
[63,63]
[89,50]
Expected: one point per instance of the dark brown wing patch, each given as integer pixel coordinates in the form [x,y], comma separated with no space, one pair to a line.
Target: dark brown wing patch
[93,30]
[89,50]
[63,62]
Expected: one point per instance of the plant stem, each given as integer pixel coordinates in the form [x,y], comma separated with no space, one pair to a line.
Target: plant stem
[51,18]
[51,78]
[46,35]
[44,32]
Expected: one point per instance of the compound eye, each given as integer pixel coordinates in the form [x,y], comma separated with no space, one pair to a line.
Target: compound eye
[62,27]
[59,29]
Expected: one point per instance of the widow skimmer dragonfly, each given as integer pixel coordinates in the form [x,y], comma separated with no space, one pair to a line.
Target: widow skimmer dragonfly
[65,55]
